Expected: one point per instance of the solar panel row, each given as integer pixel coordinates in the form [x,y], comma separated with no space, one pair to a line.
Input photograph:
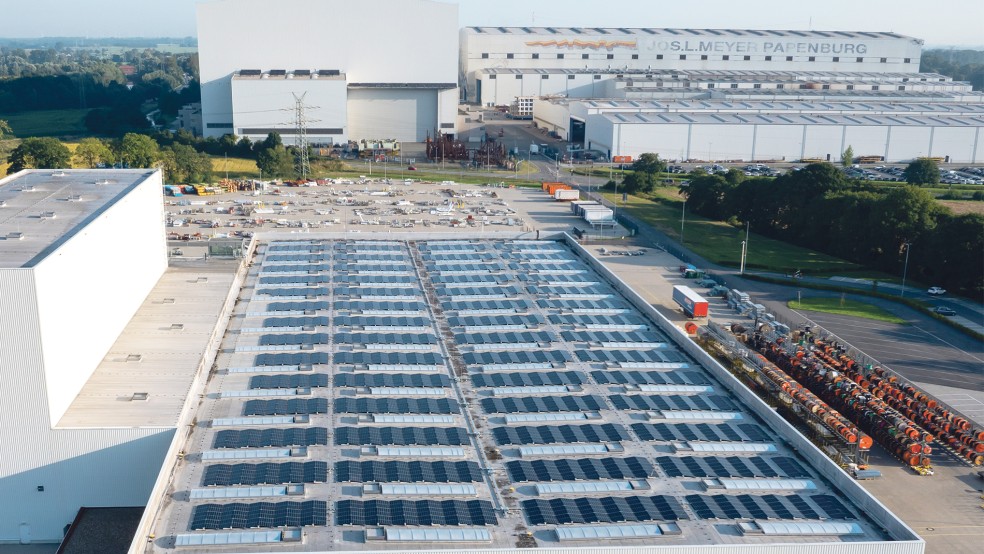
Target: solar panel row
[624,377]
[730,466]
[259,514]
[699,432]
[582,469]
[552,434]
[224,475]
[401,436]
[609,509]
[528,378]
[257,438]
[392,380]
[420,512]
[538,404]
[671,402]
[348,471]
[395,406]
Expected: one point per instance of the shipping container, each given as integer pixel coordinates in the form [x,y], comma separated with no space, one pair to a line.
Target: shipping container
[567,195]
[599,215]
[575,206]
[693,304]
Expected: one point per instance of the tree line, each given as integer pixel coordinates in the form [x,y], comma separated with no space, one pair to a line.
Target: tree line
[819,208]
[183,157]
[961,65]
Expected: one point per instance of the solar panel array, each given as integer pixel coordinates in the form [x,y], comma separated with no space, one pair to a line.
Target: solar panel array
[410,364]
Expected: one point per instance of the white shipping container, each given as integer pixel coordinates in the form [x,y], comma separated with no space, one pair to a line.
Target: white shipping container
[567,195]
[597,216]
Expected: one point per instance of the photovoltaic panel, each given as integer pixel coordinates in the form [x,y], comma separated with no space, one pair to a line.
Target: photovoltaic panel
[724,466]
[419,512]
[506,337]
[388,358]
[612,336]
[609,509]
[721,432]
[744,506]
[300,380]
[257,438]
[529,379]
[407,472]
[671,402]
[582,320]
[401,436]
[392,380]
[296,306]
[385,338]
[581,469]
[521,357]
[259,514]
[553,434]
[369,321]
[294,292]
[298,279]
[623,356]
[290,358]
[286,407]
[225,475]
[294,339]
[626,377]
[395,406]
[298,321]
[379,306]
[381,279]
[526,404]
[833,507]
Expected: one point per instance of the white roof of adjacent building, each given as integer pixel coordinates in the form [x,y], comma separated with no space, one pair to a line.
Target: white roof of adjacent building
[792,119]
[40,209]
[681,33]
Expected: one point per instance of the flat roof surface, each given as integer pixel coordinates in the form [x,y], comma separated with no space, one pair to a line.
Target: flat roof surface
[874,106]
[680,33]
[158,353]
[792,118]
[458,337]
[42,208]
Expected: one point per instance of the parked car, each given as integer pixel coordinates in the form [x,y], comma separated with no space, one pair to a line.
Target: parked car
[936,291]
[943,310]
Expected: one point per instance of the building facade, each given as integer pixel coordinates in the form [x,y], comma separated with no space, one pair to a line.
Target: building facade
[389,72]
[75,265]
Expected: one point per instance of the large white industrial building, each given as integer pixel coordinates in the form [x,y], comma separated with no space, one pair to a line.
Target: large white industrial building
[719,95]
[388,71]
[79,252]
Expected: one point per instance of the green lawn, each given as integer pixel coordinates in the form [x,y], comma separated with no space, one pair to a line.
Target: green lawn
[237,168]
[47,123]
[845,307]
[720,243]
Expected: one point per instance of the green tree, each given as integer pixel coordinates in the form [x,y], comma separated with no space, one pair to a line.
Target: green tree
[847,158]
[922,172]
[189,165]
[92,151]
[137,150]
[39,153]
[650,165]
[4,129]
[276,162]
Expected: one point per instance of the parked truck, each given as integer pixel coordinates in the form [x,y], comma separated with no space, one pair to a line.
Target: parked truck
[693,304]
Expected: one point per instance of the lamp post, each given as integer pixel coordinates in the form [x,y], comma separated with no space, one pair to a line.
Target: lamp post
[744,248]
[905,268]
[683,216]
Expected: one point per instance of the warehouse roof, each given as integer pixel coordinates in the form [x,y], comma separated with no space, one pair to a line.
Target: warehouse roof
[41,209]
[701,118]
[873,106]
[710,74]
[678,33]
[470,440]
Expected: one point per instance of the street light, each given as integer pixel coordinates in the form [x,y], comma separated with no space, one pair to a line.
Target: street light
[744,248]
[683,216]
[905,268]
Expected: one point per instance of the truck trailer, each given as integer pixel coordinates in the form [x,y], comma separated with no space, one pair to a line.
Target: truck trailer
[693,304]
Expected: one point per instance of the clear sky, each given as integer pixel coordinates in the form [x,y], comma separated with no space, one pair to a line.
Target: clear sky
[938,22]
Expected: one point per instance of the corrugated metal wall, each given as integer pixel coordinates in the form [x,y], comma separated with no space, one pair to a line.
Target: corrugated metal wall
[46,475]
[405,114]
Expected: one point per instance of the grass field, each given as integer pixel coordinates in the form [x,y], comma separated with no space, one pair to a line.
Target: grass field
[845,307]
[720,243]
[960,207]
[47,123]
[237,168]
